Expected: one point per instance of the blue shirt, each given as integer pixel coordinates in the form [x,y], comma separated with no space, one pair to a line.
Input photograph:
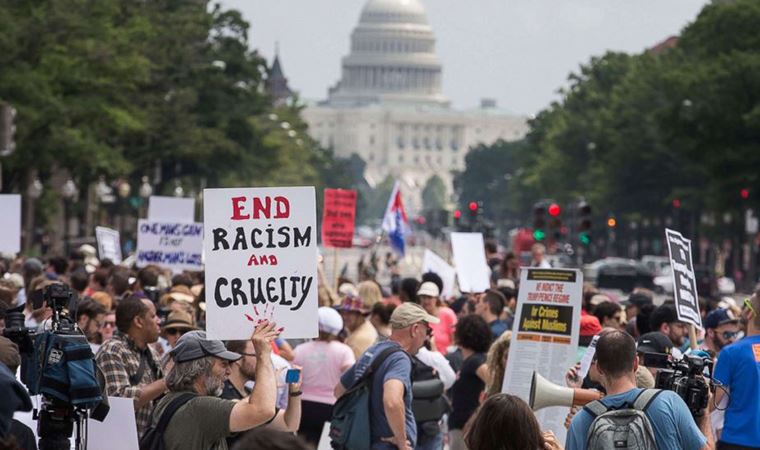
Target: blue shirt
[673,426]
[397,366]
[738,369]
[497,328]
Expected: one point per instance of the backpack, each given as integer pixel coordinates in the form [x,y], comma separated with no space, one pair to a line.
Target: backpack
[153,439]
[626,428]
[428,402]
[350,424]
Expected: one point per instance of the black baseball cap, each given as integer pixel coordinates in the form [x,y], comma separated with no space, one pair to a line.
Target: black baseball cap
[654,342]
[718,317]
[637,299]
[195,345]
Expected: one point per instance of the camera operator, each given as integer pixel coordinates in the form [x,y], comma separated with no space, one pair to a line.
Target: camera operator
[738,369]
[130,366]
[672,423]
[90,317]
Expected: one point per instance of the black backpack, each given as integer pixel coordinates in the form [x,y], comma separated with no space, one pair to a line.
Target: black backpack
[153,439]
[428,402]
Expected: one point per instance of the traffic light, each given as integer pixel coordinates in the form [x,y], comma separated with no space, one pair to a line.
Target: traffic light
[676,203]
[744,194]
[7,129]
[457,218]
[473,207]
[555,222]
[539,222]
[584,223]
[554,210]
[611,222]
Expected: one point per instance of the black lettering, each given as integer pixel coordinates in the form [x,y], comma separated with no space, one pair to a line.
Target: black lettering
[270,290]
[238,293]
[221,302]
[270,236]
[301,240]
[284,232]
[219,239]
[305,286]
[254,242]
[240,239]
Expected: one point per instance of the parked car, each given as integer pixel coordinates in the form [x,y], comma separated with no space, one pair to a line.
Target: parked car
[619,273]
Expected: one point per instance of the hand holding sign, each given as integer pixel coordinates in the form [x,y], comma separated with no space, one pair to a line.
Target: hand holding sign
[263,335]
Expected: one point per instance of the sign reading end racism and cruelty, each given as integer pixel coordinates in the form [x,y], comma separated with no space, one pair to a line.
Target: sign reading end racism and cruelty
[338,218]
[260,250]
[684,279]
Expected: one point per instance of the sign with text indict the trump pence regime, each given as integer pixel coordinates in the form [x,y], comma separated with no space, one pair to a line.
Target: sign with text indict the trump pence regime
[109,244]
[545,336]
[338,218]
[174,245]
[684,279]
[261,260]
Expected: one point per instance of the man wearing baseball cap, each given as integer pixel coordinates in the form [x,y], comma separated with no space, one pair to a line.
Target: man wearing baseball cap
[392,423]
[721,329]
[201,366]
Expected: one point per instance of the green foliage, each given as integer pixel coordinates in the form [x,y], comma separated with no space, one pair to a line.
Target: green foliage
[434,194]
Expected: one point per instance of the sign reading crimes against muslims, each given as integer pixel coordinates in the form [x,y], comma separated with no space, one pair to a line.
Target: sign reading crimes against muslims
[684,279]
[260,248]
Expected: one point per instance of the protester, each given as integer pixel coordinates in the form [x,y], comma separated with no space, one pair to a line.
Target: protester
[473,336]
[109,326]
[243,371]
[177,324]
[665,320]
[721,329]
[489,306]
[118,283]
[323,361]
[506,422]
[430,367]
[496,360]
[408,290]
[97,282]
[391,420]
[510,268]
[537,257]
[508,313]
[609,315]
[670,419]
[633,306]
[738,370]
[130,366]
[201,366]
[361,333]
[370,293]
[443,332]
[90,316]
[589,328]
[380,318]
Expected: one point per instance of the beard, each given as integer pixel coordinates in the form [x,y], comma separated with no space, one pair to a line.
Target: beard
[214,386]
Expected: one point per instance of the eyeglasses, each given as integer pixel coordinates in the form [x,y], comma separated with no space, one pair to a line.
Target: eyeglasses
[109,324]
[727,335]
[748,304]
[172,331]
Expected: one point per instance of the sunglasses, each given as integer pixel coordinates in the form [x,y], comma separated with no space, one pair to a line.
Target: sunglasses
[172,331]
[109,324]
[730,334]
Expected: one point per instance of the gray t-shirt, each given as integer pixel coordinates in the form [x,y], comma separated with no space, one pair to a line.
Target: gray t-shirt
[202,423]
[397,366]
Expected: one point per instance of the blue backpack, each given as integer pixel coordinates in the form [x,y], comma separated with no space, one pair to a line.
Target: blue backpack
[350,425]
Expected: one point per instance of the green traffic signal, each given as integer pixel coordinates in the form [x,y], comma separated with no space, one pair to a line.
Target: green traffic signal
[539,235]
[584,238]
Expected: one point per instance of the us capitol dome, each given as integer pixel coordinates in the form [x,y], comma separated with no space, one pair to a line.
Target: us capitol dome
[388,106]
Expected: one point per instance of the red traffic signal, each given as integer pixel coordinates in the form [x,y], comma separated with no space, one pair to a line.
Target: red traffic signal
[473,206]
[744,193]
[676,203]
[554,210]
[457,214]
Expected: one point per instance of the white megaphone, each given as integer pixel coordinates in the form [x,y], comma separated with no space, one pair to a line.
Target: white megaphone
[544,393]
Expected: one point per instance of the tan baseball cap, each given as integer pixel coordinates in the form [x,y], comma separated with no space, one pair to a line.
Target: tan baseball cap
[408,314]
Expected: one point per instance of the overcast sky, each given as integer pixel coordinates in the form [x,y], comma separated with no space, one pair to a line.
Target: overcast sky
[516,51]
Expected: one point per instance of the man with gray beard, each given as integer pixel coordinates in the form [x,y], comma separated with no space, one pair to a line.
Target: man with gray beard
[200,368]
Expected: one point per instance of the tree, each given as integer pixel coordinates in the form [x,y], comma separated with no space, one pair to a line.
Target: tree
[434,194]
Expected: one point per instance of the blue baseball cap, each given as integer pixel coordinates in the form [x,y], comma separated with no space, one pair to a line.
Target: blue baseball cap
[718,317]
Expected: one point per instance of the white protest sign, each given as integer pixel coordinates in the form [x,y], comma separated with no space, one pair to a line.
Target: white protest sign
[684,280]
[174,209]
[261,260]
[431,262]
[109,244]
[545,336]
[174,245]
[588,356]
[470,262]
[10,223]
[117,432]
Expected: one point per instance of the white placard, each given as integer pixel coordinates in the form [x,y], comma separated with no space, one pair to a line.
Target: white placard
[588,356]
[470,262]
[10,223]
[117,432]
[109,244]
[431,262]
[261,260]
[545,336]
[174,245]
[684,278]
[325,443]
[172,209]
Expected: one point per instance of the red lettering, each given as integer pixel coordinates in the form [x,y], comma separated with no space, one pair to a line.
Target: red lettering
[259,208]
[237,209]
[282,202]
[263,260]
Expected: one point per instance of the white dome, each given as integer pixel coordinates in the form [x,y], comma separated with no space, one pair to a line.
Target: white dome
[390,11]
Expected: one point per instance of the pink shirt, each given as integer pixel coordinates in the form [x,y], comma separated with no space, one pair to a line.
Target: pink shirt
[443,332]
[322,364]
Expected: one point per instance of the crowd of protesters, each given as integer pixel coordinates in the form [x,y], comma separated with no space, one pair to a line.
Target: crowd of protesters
[440,362]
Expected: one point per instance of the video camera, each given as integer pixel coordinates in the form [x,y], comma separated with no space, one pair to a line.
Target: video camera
[686,377]
[59,365]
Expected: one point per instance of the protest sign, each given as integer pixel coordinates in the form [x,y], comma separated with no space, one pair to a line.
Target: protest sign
[470,262]
[175,245]
[588,356]
[118,431]
[431,262]
[545,336]
[338,218]
[109,244]
[261,260]
[171,209]
[684,280]
[10,223]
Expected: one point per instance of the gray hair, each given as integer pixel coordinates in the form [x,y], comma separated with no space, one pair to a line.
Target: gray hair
[183,375]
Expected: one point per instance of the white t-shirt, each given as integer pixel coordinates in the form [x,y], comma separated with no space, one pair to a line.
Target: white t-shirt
[322,364]
[441,365]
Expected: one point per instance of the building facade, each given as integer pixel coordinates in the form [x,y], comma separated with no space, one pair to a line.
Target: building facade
[389,109]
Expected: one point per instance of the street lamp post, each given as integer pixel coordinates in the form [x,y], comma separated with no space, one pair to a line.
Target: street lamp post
[33,192]
[69,192]
[146,190]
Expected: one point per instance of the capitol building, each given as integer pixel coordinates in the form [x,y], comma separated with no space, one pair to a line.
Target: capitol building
[388,107]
